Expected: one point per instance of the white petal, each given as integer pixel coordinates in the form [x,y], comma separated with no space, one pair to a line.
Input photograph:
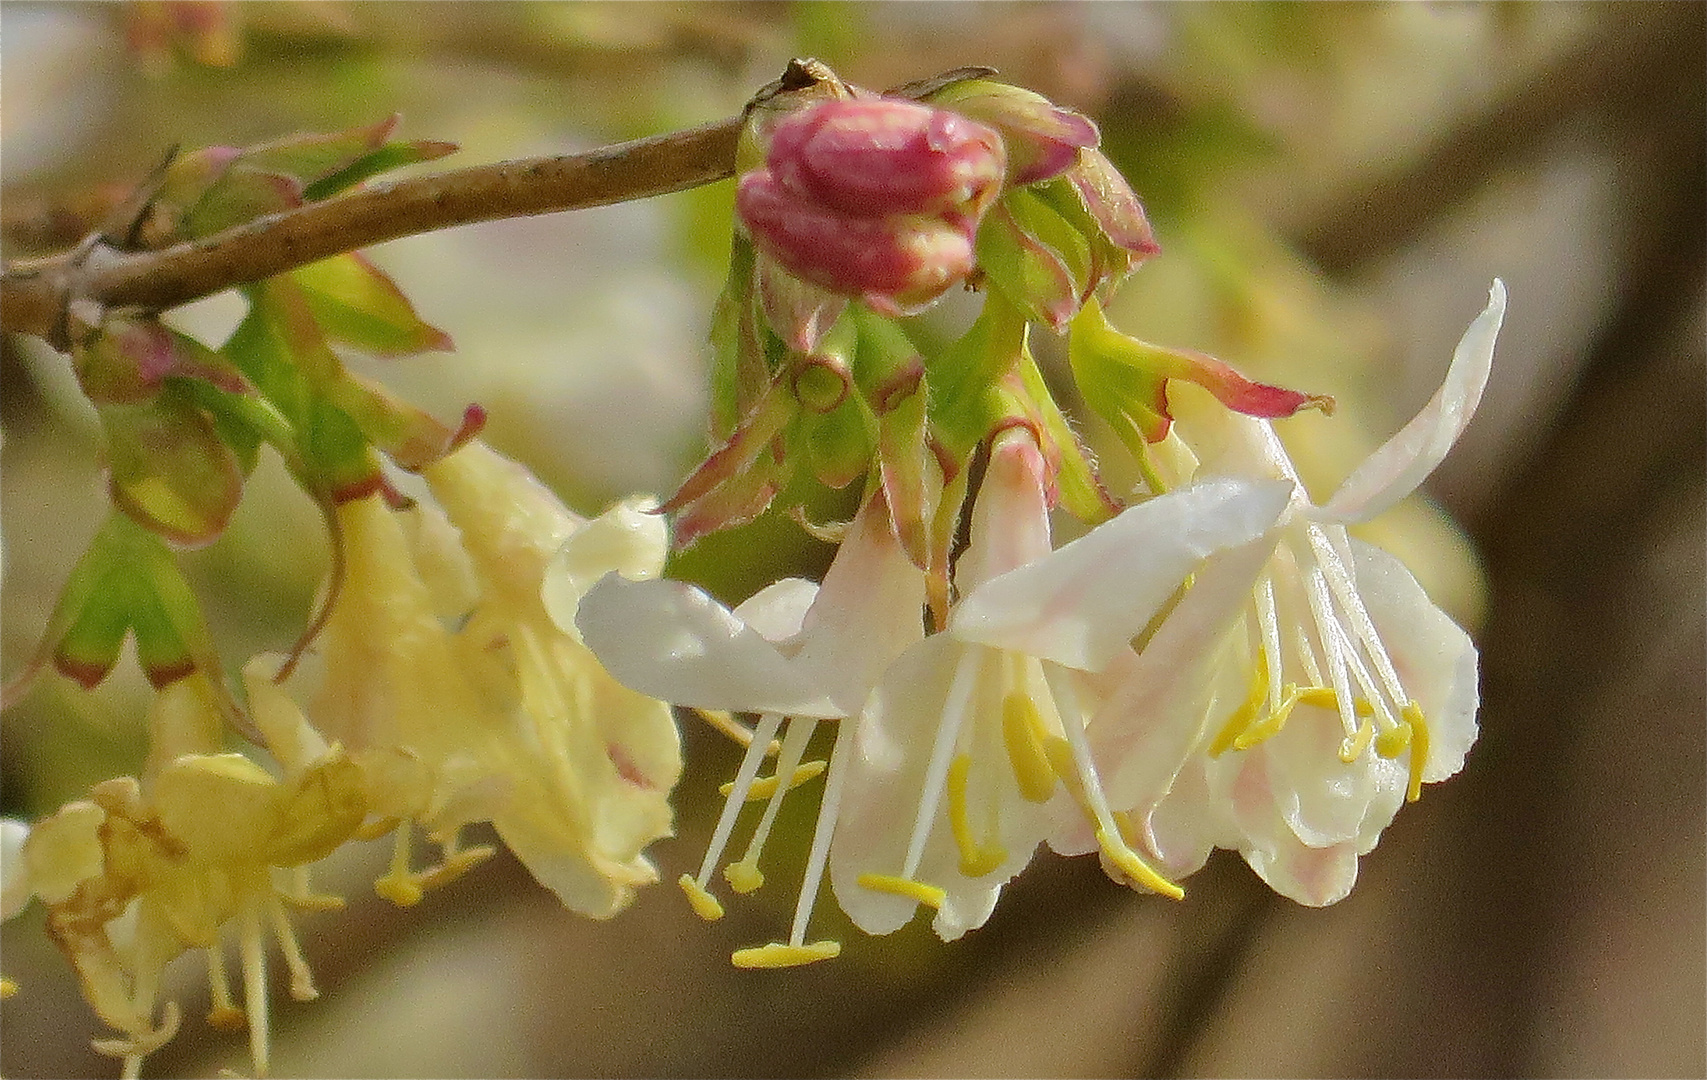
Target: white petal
[15,890]
[673,642]
[628,538]
[1081,605]
[777,610]
[1395,470]
[1153,720]
[869,610]
[1435,659]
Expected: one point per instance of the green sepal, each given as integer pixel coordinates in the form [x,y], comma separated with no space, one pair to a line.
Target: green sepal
[1035,258]
[126,361]
[127,580]
[911,477]
[740,372]
[168,467]
[965,375]
[356,303]
[839,443]
[1077,485]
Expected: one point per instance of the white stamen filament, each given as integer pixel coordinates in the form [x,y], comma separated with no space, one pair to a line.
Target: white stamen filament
[301,979]
[936,771]
[1333,640]
[762,735]
[793,749]
[253,949]
[828,808]
[1345,591]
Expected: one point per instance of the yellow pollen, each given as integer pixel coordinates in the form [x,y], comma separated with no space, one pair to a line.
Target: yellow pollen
[399,885]
[765,786]
[976,859]
[1243,716]
[1023,731]
[1413,715]
[1394,741]
[1134,867]
[703,903]
[1352,748]
[779,955]
[1272,724]
[7,988]
[743,877]
[928,895]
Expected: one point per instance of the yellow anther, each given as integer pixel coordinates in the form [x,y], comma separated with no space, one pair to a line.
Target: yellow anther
[765,786]
[928,895]
[7,988]
[1243,716]
[227,1018]
[1322,697]
[703,903]
[1023,732]
[743,877]
[779,955]
[725,723]
[1413,715]
[1394,741]
[976,859]
[1137,871]
[399,885]
[455,865]
[1353,747]
[1274,721]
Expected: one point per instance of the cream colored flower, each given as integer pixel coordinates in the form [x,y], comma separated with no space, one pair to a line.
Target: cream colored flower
[500,715]
[141,872]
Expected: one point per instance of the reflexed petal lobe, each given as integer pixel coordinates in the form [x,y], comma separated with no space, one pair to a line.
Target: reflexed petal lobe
[1081,605]
[675,643]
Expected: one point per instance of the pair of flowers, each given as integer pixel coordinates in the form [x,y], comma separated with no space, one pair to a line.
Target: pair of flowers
[1220,666]
[441,691]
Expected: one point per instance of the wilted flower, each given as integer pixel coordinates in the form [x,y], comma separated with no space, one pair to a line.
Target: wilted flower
[505,716]
[141,872]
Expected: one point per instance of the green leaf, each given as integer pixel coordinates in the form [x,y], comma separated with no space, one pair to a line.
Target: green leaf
[358,304]
[393,155]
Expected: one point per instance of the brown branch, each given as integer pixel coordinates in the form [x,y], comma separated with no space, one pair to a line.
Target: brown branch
[35,295]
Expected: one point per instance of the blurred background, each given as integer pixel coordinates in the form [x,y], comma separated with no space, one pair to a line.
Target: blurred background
[1333,187]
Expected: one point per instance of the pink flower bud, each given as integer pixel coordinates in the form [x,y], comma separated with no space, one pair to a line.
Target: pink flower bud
[878,156]
[896,264]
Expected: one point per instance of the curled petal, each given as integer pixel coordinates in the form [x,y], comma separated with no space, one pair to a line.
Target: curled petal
[673,642]
[1395,470]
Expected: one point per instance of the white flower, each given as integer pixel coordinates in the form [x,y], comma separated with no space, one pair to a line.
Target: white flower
[1305,686]
[953,779]
[792,651]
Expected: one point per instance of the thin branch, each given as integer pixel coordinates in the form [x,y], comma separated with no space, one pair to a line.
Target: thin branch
[35,295]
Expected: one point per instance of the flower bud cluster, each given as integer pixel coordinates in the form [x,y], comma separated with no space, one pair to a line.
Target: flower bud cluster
[873,198]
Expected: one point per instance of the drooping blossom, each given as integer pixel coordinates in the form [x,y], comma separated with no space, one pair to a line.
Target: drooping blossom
[447,679]
[1305,686]
[973,748]
[793,651]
